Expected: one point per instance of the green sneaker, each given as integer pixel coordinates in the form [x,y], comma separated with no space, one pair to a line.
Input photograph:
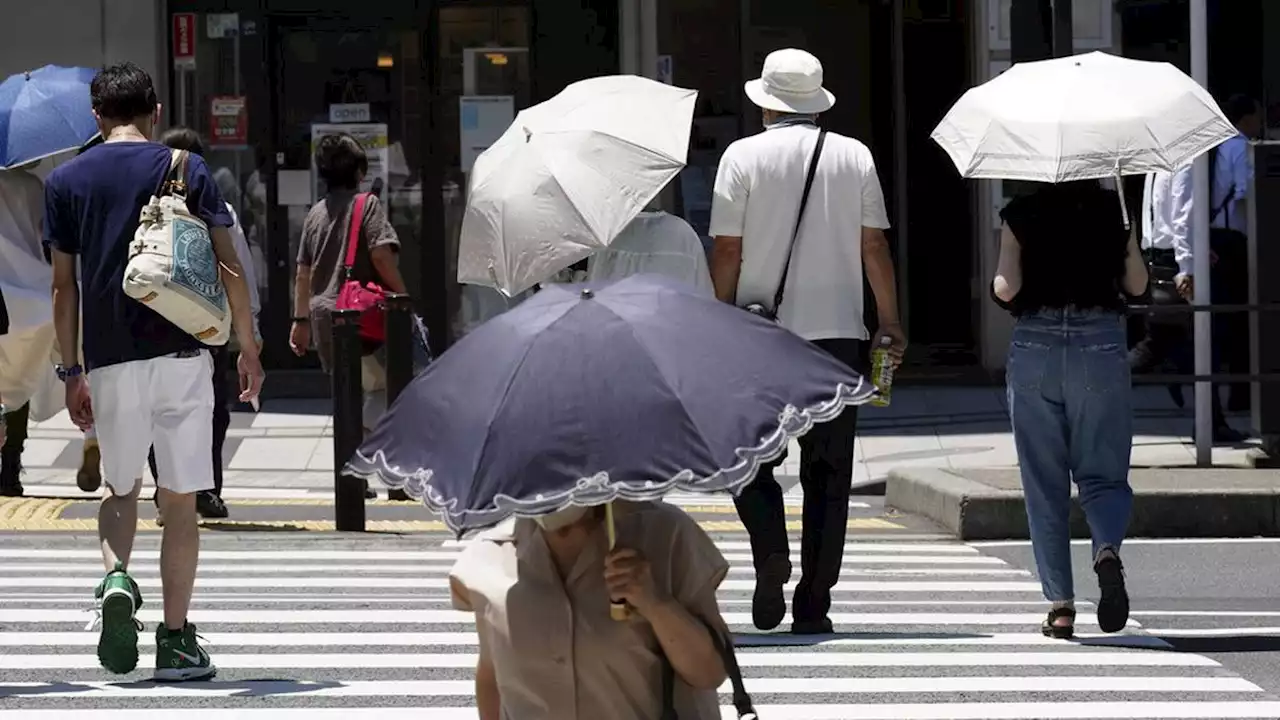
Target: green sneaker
[179,656]
[118,600]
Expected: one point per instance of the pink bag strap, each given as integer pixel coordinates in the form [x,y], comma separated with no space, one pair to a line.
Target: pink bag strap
[353,232]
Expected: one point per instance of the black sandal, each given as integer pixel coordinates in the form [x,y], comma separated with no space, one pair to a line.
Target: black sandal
[1113,607]
[1050,628]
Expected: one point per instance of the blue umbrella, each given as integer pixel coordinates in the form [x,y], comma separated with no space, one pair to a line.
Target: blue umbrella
[585,394]
[44,112]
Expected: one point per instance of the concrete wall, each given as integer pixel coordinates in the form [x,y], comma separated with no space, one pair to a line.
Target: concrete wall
[87,33]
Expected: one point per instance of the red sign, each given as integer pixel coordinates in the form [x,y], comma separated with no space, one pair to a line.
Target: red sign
[229,121]
[184,40]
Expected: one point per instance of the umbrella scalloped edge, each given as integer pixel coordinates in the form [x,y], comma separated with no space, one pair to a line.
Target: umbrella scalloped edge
[600,488]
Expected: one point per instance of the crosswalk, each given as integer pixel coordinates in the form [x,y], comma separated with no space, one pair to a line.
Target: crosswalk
[321,627]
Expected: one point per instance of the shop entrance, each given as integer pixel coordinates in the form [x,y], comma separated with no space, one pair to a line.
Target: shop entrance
[365,80]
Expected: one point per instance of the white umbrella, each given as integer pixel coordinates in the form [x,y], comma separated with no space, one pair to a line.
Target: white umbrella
[568,176]
[1083,117]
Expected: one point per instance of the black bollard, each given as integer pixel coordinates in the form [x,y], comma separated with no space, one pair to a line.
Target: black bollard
[348,421]
[399,344]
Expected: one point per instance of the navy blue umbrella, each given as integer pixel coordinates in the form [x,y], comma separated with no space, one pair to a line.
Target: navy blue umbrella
[585,394]
[45,112]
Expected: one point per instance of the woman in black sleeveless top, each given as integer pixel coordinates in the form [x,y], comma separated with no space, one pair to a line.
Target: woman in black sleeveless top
[1066,263]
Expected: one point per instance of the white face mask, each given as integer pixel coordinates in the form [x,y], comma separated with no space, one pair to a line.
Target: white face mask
[561,518]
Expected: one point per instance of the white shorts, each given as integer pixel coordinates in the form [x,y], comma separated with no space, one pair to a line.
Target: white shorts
[166,402]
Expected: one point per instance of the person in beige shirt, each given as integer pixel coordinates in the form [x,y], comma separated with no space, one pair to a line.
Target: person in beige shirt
[549,649]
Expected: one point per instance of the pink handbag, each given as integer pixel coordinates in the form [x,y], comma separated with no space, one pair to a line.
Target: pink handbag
[369,298]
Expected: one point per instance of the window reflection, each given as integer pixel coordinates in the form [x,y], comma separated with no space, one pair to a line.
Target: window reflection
[483,52]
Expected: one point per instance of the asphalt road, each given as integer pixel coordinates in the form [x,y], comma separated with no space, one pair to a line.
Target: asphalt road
[1217,598]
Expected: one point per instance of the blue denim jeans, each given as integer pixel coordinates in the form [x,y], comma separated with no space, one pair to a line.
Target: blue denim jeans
[1071,406]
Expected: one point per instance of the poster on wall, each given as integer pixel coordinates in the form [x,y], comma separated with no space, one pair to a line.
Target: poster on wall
[482,120]
[219,26]
[372,136]
[228,121]
[184,40]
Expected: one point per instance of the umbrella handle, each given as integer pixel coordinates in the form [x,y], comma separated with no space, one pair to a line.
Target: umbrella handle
[619,611]
[1124,206]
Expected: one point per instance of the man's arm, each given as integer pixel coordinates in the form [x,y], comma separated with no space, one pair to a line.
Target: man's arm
[66,305]
[877,262]
[728,225]
[1180,199]
[726,266]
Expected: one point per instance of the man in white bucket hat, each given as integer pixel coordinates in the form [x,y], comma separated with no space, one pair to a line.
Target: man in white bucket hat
[798,218]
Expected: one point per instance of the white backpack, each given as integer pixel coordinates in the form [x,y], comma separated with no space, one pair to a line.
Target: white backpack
[172,267]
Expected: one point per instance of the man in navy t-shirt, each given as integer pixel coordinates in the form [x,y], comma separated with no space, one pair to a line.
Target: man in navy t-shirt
[149,382]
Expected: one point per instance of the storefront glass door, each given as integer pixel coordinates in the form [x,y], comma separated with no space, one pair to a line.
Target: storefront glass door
[482,80]
[363,81]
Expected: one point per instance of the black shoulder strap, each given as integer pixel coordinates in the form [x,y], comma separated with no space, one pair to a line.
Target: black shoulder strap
[795,233]
[741,699]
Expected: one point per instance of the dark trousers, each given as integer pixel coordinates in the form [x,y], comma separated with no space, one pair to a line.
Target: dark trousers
[221,415]
[826,474]
[1230,286]
[15,431]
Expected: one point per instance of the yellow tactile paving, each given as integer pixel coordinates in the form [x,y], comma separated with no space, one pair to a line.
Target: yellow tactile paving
[21,511]
[45,515]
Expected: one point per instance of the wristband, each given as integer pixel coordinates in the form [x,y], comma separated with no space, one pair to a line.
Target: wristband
[68,372]
[303,320]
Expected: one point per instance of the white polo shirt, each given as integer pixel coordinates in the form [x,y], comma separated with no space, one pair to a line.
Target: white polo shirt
[757,197]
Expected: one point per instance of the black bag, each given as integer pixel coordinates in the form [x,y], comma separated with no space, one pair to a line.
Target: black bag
[759,308]
[741,700]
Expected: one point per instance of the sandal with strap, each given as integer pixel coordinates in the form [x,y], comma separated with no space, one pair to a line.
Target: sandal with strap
[1052,629]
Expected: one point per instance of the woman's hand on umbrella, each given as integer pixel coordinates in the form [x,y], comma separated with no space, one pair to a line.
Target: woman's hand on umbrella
[628,577]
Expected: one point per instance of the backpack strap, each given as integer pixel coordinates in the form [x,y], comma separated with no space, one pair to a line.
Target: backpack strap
[353,232]
[175,181]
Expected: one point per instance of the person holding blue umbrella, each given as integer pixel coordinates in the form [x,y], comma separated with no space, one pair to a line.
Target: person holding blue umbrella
[43,113]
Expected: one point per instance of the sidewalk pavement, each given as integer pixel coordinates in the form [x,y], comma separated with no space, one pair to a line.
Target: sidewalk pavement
[287,449]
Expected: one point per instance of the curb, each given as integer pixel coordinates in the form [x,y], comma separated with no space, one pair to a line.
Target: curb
[971,510]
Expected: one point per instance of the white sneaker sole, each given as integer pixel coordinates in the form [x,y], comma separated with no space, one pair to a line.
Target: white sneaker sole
[185,674]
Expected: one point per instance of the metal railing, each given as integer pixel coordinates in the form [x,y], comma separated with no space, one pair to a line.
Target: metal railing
[1188,309]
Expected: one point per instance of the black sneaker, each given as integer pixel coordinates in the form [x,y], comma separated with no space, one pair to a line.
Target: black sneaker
[1113,606]
[398,495]
[211,506]
[769,604]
